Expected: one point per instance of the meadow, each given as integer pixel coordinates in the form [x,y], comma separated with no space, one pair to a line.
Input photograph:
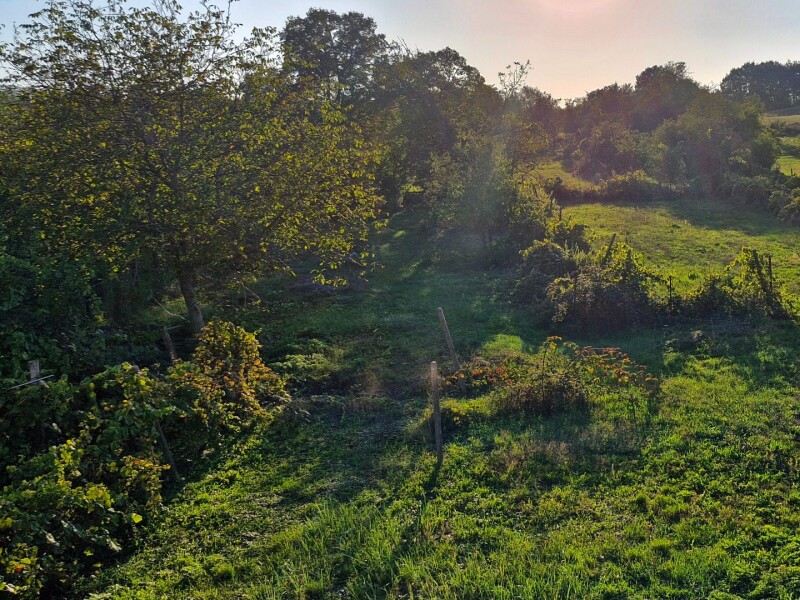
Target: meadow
[688,238]
[789,160]
[340,495]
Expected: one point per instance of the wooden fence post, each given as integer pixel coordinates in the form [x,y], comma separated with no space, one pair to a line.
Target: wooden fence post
[608,251]
[172,474]
[437,413]
[451,347]
[35,373]
[168,343]
[771,277]
[669,286]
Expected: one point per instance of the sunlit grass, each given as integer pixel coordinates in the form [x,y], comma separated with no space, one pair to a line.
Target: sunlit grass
[788,119]
[553,169]
[691,238]
[341,496]
[789,161]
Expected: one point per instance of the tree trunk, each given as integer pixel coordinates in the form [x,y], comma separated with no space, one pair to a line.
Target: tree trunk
[186,282]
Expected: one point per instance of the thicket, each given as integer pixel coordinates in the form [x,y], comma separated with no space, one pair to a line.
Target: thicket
[82,465]
[746,286]
[611,289]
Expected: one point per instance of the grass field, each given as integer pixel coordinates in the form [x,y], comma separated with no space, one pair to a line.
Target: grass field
[340,497]
[690,238]
[789,161]
[554,169]
[770,119]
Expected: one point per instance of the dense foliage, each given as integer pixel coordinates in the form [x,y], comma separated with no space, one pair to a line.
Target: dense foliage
[775,84]
[83,465]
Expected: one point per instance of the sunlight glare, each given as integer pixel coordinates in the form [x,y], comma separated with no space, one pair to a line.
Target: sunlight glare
[578,8]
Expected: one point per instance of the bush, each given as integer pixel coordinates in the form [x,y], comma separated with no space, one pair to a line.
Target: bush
[559,377]
[226,386]
[545,384]
[755,192]
[635,186]
[67,508]
[81,465]
[541,263]
[786,204]
[747,286]
[605,294]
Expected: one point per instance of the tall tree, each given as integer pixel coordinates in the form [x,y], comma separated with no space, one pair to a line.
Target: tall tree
[136,132]
[339,50]
[662,92]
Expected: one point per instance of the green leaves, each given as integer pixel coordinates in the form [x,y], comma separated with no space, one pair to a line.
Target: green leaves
[174,141]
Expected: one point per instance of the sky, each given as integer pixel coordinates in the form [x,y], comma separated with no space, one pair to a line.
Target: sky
[574,46]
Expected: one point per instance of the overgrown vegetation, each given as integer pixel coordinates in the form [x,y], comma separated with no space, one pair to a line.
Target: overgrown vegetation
[83,464]
[154,167]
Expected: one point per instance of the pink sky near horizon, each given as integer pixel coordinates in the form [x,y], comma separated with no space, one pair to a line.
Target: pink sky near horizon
[574,46]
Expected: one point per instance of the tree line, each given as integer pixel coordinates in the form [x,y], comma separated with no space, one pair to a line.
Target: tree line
[147,152]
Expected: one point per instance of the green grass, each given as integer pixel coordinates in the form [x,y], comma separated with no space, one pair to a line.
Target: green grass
[690,238]
[340,496]
[789,161]
[787,119]
[554,169]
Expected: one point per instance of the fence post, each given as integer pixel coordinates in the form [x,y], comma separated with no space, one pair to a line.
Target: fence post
[669,286]
[437,413]
[34,371]
[608,251]
[173,356]
[451,347]
[771,278]
[173,474]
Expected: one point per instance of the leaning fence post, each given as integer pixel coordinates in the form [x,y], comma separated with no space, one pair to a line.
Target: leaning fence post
[451,347]
[437,413]
[609,249]
[173,356]
[172,474]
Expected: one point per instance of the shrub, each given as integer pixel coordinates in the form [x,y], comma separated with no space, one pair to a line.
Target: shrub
[755,192]
[563,376]
[605,293]
[67,508]
[635,186]
[746,286]
[541,263]
[786,204]
[226,386]
[548,383]
[82,464]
